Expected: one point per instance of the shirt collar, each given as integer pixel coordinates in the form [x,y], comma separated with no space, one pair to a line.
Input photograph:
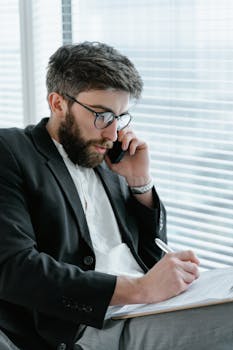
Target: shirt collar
[60,149]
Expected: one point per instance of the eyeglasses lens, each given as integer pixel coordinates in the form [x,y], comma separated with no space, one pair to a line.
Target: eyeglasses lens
[105,119]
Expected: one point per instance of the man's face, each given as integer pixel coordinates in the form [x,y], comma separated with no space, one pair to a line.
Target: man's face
[84,144]
[79,149]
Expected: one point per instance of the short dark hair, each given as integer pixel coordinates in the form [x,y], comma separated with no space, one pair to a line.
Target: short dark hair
[91,65]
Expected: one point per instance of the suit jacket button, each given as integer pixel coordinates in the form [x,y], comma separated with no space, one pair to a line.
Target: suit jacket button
[61,346]
[88,308]
[88,260]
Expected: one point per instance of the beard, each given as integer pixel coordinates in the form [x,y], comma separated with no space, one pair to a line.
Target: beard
[76,147]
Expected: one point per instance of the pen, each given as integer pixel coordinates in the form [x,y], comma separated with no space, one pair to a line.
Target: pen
[163,246]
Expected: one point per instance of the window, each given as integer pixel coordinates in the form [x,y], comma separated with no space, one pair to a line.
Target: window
[46,27]
[31,32]
[11,101]
[184,52]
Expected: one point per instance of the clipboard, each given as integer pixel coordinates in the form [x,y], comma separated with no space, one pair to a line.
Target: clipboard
[211,288]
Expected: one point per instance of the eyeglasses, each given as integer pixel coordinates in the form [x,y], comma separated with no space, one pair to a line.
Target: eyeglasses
[104,119]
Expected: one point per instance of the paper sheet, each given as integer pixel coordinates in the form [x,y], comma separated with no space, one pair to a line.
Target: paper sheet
[213,286]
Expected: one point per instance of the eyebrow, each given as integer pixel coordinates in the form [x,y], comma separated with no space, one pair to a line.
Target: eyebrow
[101,107]
[106,109]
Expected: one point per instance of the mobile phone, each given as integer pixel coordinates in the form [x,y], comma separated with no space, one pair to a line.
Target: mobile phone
[116,153]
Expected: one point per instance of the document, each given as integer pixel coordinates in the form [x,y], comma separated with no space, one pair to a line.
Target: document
[212,287]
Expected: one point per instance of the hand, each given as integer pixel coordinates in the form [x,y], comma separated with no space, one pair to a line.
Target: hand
[169,277]
[135,164]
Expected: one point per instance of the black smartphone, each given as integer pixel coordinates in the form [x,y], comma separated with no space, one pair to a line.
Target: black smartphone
[116,153]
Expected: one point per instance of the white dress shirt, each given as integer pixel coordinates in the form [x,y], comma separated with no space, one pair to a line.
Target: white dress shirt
[112,255]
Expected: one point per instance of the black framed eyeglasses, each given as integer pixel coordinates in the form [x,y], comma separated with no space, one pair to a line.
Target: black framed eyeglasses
[104,119]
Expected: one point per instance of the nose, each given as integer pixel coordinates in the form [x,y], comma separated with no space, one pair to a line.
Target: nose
[110,132]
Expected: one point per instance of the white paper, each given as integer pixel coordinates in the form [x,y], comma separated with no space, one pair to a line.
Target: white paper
[213,286]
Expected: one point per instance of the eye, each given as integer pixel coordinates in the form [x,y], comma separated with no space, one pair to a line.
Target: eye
[106,116]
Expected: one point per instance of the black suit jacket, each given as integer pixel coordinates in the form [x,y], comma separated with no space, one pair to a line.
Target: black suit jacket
[48,285]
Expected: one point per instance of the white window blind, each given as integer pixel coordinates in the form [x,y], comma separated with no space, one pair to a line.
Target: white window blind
[30,32]
[184,51]
[47,37]
[11,106]
[66,21]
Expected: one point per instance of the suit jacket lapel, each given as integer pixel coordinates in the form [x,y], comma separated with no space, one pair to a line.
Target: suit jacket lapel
[112,186]
[45,146]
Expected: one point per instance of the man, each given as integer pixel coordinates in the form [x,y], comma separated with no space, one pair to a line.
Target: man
[77,231]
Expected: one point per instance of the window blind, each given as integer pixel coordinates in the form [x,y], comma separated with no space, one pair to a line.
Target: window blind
[30,33]
[184,52]
[66,22]
[11,107]
[47,37]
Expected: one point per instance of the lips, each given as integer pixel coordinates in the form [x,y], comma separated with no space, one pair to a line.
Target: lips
[100,149]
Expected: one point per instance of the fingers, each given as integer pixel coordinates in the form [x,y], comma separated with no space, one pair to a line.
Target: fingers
[189,272]
[189,278]
[130,142]
[191,268]
[188,255]
[187,264]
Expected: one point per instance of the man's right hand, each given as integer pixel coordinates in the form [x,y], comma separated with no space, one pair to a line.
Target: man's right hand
[169,277]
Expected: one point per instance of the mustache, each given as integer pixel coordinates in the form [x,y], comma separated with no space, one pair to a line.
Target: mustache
[102,143]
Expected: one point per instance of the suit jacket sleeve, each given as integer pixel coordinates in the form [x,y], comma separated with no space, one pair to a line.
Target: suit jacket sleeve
[34,279]
[151,224]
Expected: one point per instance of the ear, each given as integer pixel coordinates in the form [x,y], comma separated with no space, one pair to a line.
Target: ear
[57,104]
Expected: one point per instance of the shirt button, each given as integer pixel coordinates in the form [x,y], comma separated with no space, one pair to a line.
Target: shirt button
[61,346]
[88,260]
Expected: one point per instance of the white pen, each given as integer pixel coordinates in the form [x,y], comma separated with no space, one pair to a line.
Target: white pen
[163,246]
